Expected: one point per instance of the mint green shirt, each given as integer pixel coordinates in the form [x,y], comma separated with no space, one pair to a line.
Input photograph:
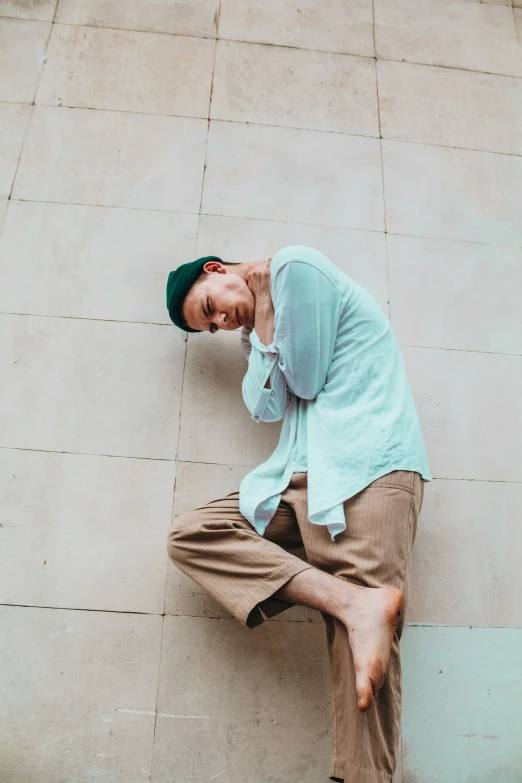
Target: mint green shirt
[337,380]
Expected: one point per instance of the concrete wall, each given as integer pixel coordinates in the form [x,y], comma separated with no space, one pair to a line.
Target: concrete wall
[136,136]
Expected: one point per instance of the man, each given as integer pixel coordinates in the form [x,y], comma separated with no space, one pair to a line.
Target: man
[345,481]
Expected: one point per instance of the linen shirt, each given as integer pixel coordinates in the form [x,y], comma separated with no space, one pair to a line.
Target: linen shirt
[337,380]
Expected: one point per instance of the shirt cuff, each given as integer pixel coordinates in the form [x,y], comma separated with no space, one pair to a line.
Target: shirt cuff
[255,341]
[259,410]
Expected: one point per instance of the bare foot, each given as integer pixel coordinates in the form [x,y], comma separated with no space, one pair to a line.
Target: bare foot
[371,618]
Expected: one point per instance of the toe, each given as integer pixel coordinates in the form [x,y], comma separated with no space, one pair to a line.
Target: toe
[364,692]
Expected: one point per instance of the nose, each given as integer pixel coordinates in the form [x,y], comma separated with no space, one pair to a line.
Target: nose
[223,321]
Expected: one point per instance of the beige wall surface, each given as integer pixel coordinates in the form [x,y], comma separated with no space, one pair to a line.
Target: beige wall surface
[140,134]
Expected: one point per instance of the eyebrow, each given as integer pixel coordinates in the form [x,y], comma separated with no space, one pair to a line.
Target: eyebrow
[203,306]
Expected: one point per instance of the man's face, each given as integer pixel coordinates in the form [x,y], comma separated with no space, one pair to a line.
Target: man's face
[219,299]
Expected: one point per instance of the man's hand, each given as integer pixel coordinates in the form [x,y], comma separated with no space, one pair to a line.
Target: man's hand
[258,281]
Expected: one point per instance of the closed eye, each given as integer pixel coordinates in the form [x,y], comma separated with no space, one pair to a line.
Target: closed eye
[207,311]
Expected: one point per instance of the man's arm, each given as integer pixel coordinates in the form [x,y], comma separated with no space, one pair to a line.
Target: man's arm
[306,321]
[264,388]
[259,284]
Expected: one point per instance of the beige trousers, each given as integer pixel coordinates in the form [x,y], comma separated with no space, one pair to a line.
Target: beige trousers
[220,550]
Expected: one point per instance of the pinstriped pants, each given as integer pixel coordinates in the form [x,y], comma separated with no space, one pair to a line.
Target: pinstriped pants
[220,550]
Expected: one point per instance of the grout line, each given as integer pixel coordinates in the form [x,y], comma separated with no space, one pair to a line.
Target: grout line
[458,350]
[87,454]
[205,617]
[382,168]
[150,323]
[451,147]
[85,318]
[142,614]
[180,410]
[478,481]
[207,137]
[157,696]
[167,562]
[217,37]
[450,239]
[44,62]
[81,609]
[217,464]
[267,220]
[176,459]
[26,131]
[513,11]
[203,214]
[111,206]
[163,33]
[62,105]
[32,104]
[270,220]
[435,478]
[268,125]
[217,19]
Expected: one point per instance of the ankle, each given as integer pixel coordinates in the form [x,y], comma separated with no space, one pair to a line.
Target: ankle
[344,597]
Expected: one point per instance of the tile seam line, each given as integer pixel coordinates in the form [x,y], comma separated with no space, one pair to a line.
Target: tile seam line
[119,206]
[26,131]
[155,323]
[183,374]
[89,454]
[435,478]
[208,119]
[156,701]
[419,624]
[196,37]
[443,239]
[445,146]
[270,220]
[249,123]
[44,60]
[383,190]
[478,481]
[201,37]
[198,118]
[162,33]
[217,464]
[375,56]
[458,350]
[201,214]
[82,609]
[85,318]
[142,614]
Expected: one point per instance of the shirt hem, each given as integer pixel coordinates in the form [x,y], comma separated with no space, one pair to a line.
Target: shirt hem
[425,475]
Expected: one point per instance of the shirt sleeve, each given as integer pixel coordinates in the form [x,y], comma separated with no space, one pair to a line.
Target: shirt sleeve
[245,341]
[306,322]
[264,404]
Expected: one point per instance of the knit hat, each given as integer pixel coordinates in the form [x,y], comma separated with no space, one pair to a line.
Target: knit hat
[178,285]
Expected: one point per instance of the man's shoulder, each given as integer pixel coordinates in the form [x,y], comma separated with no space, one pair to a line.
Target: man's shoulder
[305,255]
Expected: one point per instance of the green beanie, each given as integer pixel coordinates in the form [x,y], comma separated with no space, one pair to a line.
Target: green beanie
[178,284]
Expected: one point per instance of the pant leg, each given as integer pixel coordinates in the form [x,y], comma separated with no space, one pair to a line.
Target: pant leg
[218,548]
[374,551]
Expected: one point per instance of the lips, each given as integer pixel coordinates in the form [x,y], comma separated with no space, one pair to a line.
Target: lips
[238,319]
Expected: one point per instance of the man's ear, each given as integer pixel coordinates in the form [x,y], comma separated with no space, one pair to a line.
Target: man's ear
[214,266]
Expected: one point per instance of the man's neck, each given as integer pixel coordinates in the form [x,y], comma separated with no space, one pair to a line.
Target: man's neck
[244,268]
